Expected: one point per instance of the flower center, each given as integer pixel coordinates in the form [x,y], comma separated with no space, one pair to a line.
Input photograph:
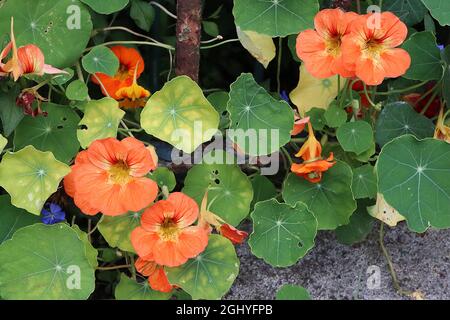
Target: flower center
[333,45]
[122,73]
[373,48]
[120,173]
[169,230]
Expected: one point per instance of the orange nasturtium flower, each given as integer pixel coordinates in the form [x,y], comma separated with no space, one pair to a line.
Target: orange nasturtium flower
[110,177]
[134,95]
[27,59]
[320,49]
[371,50]
[157,277]
[209,220]
[166,235]
[131,67]
[442,131]
[313,164]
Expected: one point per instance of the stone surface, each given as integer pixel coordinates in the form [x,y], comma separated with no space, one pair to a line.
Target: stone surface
[335,271]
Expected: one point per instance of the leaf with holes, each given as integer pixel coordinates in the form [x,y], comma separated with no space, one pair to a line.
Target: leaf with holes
[101,120]
[211,274]
[361,223]
[355,136]
[331,201]
[117,230]
[425,57]
[180,114]
[219,101]
[30,177]
[129,289]
[440,10]
[410,12]
[292,292]
[364,182]
[276,18]
[229,190]
[106,7]
[384,212]
[398,119]
[263,119]
[101,59]
[61,29]
[414,178]
[282,234]
[36,265]
[56,132]
[13,218]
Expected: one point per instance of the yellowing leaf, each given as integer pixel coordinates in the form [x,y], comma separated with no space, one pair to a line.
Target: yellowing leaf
[30,177]
[260,46]
[384,212]
[3,142]
[312,92]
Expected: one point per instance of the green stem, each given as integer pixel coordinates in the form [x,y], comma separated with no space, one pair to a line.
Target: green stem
[368,97]
[287,155]
[280,53]
[402,90]
[427,106]
[125,266]
[219,44]
[146,43]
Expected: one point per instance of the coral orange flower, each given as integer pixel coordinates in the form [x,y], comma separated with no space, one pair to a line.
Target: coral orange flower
[28,59]
[320,49]
[442,131]
[110,177]
[299,124]
[209,220]
[166,235]
[313,165]
[372,50]
[157,277]
[134,95]
[131,66]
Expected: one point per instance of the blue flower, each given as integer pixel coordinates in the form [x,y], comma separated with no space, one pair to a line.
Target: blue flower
[52,214]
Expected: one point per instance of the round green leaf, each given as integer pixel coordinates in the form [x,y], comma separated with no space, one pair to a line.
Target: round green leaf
[45,262]
[355,136]
[13,218]
[91,252]
[282,234]
[63,78]
[292,292]
[106,7]
[275,18]
[331,200]
[425,57]
[101,59]
[61,29]
[317,118]
[30,177]
[440,10]
[364,182]
[414,178]
[335,116]
[180,115]
[400,118]
[101,120]
[143,14]
[211,274]
[219,101]
[117,230]
[263,189]
[164,177]
[259,115]
[410,12]
[361,223]
[129,289]
[56,133]
[77,90]
[229,190]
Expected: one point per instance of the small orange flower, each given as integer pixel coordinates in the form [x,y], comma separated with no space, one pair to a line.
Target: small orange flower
[442,131]
[28,59]
[299,124]
[166,235]
[320,49]
[131,66]
[133,96]
[157,277]
[110,177]
[234,235]
[313,165]
[372,52]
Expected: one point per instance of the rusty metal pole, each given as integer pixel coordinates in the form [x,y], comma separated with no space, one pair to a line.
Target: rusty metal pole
[189,22]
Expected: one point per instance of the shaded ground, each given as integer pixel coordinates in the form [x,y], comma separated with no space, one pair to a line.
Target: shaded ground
[335,271]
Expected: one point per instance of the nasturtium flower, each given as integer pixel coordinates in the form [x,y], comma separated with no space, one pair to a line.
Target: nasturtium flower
[209,220]
[320,49]
[52,214]
[157,278]
[313,164]
[299,124]
[166,235]
[442,131]
[313,92]
[133,96]
[27,59]
[371,50]
[131,67]
[110,177]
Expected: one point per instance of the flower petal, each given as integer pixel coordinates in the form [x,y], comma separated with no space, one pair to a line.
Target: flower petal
[186,209]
